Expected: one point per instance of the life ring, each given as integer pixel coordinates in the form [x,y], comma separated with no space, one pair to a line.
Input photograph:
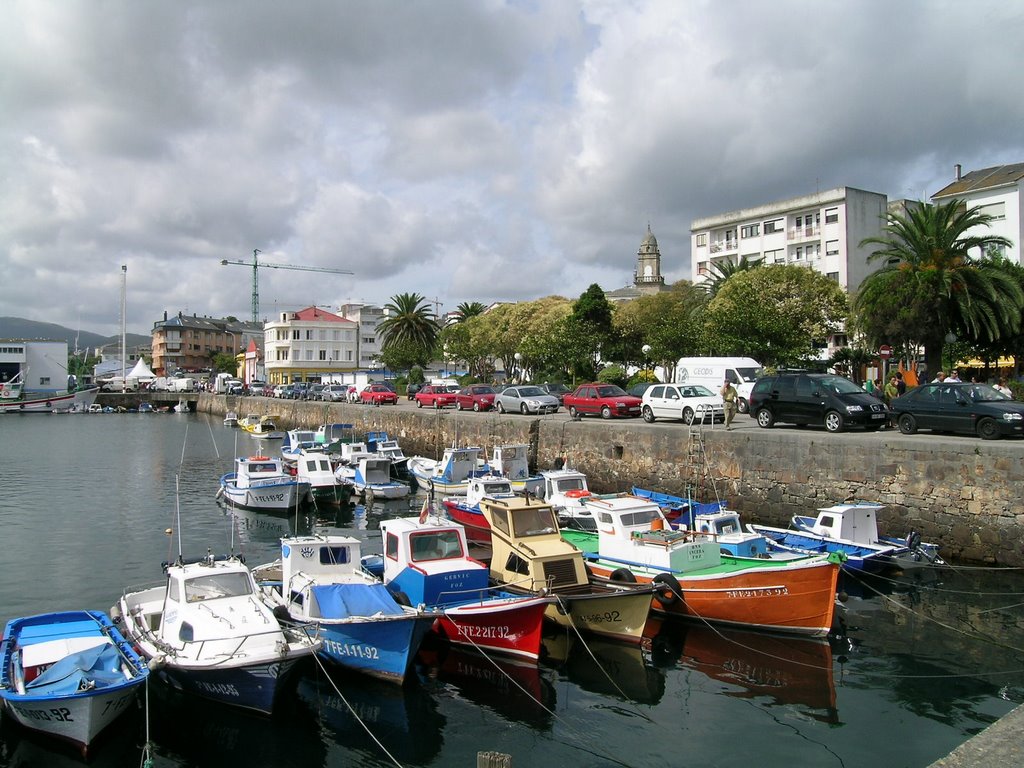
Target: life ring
[577,494]
[667,589]
[259,458]
[622,575]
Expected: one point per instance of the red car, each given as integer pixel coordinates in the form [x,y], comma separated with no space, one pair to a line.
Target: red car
[377,394]
[605,399]
[479,397]
[434,395]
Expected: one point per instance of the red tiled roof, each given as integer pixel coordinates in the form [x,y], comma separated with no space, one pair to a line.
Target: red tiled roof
[315,313]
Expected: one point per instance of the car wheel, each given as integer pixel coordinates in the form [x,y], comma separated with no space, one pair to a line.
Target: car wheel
[458,405]
[988,429]
[834,421]
[573,412]
[476,407]
[523,409]
[907,424]
[688,415]
[419,403]
[765,418]
[743,406]
[648,414]
[606,412]
[501,408]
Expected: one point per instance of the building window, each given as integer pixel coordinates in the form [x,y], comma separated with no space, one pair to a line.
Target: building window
[750,230]
[777,256]
[831,215]
[295,335]
[833,276]
[831,247]
[798,253]
[702,239]
[309,334]
[775,225]
[348,355]
[323,354]
[814,251]
[995,210]
[702,267]
[309,354]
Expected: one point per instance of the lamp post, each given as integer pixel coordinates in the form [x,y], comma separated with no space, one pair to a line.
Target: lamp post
[646,349]
[950,339]
[516,370]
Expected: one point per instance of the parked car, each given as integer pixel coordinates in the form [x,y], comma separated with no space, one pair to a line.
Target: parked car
[334,393]
[637,390]
[412,389]
[477,397]
[677,401]
[257,387]
[608,400]
[526,398]
[435,397]
[378,394]
[815,398]
[313,393]
[556,390]
[973,409]
[279,391]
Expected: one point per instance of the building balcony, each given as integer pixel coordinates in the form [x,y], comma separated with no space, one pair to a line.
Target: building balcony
[804,233]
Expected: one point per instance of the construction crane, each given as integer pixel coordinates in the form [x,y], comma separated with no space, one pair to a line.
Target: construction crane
[256,264]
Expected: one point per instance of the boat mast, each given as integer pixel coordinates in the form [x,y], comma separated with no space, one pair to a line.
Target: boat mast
[124,351]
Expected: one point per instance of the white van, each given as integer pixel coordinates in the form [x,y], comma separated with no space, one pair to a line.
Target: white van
[713,371]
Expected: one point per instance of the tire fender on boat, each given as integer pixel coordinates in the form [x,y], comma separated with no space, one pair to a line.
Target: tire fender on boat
[667,589]
[401,598]
[622,575]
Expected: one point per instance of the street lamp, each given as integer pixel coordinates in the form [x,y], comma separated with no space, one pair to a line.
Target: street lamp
[646,349]
[949,339]
[516,368]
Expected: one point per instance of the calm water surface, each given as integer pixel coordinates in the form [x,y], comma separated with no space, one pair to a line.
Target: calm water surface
[85,501]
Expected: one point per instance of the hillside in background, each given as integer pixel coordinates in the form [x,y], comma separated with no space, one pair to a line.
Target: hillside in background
[20,328]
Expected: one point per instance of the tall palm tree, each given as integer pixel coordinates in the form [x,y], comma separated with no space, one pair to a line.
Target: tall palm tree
[722,271]
[930,286]
[409,321]
[468,309]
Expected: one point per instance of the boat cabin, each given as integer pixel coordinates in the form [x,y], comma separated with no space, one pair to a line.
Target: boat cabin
[724,527]
[848,522]
[634,531]
[429,562]
[528,551]
[491,486]
[457,464]
[372,470]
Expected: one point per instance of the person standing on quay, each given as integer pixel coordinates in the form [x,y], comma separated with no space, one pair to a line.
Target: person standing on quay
[729,398]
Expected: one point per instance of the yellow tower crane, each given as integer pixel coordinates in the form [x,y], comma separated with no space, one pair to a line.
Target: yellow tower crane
[256,264]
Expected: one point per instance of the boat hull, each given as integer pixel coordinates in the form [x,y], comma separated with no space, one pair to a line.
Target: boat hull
[477,528]
[73,401]
[252,686]
[510,626]
[270,498]
[78,716]
[859,557]
[618,615]
[383,648]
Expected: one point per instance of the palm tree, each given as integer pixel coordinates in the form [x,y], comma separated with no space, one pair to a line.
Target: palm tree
[468,309]
[722,271]
[409,321]
[931,286]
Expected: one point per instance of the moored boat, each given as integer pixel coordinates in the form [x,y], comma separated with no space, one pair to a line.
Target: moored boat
[207,631]
[370,475]
[448,476]
[261,483]
[68,674]
[14,398]
[230,419]
[466,510]
[512,461]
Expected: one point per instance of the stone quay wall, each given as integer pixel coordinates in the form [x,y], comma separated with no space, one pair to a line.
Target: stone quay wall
[963,493]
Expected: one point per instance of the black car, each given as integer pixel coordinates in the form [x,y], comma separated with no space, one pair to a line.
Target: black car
[973,409]
[412,389]
[815,398]
[556,390]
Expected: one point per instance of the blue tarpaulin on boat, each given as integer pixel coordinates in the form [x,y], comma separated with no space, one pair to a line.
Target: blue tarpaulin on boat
[342,601]
[97,667]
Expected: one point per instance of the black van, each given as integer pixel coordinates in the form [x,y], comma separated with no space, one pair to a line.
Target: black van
[815,398]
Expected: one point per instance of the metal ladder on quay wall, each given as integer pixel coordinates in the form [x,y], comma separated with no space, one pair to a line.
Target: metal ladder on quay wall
[701,481]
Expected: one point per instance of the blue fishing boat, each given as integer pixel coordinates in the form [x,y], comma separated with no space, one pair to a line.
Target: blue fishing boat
[68,674]
[319,580]
[450,475]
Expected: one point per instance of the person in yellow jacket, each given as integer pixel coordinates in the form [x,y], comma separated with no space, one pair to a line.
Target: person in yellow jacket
[730,398]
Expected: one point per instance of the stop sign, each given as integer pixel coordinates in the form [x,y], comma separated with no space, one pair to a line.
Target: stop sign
[885,351]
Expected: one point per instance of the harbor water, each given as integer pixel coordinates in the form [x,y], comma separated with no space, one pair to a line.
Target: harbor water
[92,504]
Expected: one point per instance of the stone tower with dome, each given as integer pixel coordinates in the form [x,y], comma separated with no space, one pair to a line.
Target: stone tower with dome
[647,277]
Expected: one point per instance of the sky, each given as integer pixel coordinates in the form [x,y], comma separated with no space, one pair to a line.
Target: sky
[465,150]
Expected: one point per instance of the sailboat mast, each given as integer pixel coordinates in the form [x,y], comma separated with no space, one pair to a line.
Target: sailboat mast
[124,350]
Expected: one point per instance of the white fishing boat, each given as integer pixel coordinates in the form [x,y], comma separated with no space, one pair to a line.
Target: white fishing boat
[206,630]
[512,461]
[449,476]
[261,483]
[371,476]
[313,466]
[68,674]
[15,399]
[230,419]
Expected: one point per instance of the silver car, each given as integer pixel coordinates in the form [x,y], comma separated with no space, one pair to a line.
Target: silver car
[525,399]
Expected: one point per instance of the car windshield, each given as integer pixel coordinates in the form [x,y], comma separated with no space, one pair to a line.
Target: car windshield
[481,390]
[984,393]
[610,391]
[530,391]
[557,388]
[699,391]
[749,374]
[840,386]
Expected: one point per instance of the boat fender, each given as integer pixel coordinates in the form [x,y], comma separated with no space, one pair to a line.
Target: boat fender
[668,592]
[622,575]
[576,494]
[401,598]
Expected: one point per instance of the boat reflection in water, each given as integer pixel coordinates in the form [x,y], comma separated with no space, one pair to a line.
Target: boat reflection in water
[515,689]
[403,718]
[599,665]
[784,669]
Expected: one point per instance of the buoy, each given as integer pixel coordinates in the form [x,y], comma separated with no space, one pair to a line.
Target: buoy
[168,532]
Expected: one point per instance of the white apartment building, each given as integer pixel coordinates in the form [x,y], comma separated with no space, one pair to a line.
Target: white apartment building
[368,317]
[997,192]
[822,231]
[305,345]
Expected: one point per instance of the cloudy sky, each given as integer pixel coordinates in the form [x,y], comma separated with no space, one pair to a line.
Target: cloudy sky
[468,150]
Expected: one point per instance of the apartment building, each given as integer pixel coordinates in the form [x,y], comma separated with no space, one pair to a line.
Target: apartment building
[189,342]
[996,191]
[822,231]
[306,345]
[368,317]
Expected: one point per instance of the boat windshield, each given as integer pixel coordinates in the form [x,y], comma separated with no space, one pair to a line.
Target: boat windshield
[571,484]
[534,521]
[437,545]
[493,489]
[217,585]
